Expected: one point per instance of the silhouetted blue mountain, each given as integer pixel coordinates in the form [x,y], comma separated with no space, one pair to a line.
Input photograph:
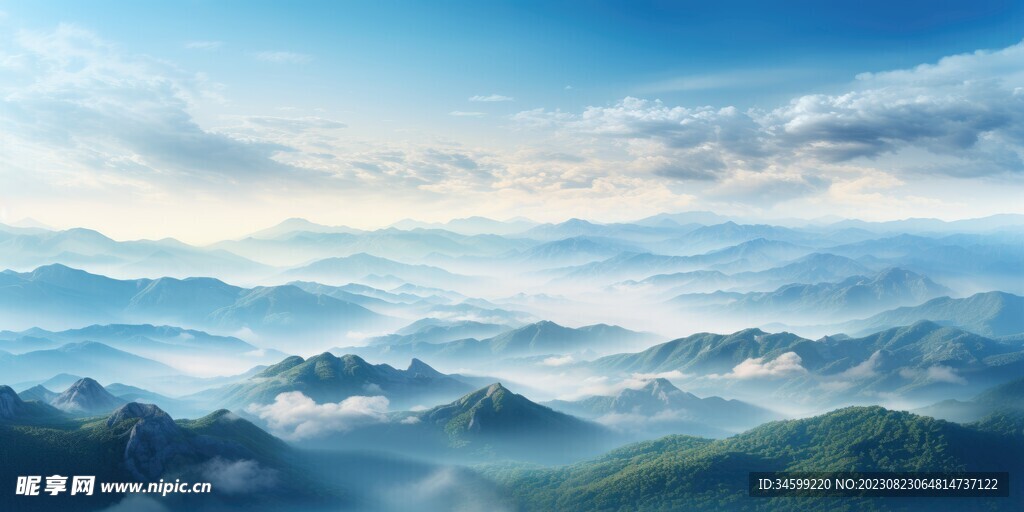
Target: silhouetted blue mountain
[988,314]
[60,295]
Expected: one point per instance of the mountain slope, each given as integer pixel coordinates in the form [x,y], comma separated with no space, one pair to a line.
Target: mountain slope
[355,268]
[89,358]
[87,397]
[38,393]
[988,314]
[924,360]
[660,407]
[326,378]
[678,472]
[851,297]
[491,423]
[540,338]
[140,442]
[60,296]
[25,412]
[550,338]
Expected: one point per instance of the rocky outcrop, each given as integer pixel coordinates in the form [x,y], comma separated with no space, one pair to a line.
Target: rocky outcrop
[87,397]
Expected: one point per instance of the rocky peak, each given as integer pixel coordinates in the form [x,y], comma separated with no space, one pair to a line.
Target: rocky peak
[153,441]
[418,367]
[10,403]
[86,396]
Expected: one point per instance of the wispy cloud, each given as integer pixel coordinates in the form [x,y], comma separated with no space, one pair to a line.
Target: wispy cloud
[462,113]
[204,45]
[239,476]
[491,97]
[280,57]
[723,80]
[135,130]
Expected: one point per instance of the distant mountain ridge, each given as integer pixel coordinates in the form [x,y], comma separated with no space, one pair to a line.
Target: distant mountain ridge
[848,298]
[15,410]
[490,423]
[341,270]
[87,397]
[920,360]
[327,378]
[661,407]
[77,296]
[987,314]
[539,338]
[30,248]
[81,357]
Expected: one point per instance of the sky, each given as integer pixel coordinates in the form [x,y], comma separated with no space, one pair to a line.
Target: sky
[208,120]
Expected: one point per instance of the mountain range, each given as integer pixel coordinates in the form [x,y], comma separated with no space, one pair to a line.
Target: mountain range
[140,442]
[659,408]
[326,379]
[851,297]
[30,248]
[59,295]
[86,398]
[987,314]
[491,423]
[85,357]
[698,474]
[536,339]
[1004,398]
[922,360]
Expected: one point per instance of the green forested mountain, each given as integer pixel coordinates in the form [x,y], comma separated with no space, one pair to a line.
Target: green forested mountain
[685,473]
[327,378]
[924,359]
[140,442]
[489,424]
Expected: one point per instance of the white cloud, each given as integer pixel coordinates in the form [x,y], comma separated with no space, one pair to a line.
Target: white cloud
[940,373]
[296,416]
[641,378]
[444,488]
[204,45]
[638,422]
[866,369]
[280,57]
[960,117]
[786,365]
[491,98]
[462,113]
[89,116]
[937,373]
[557,360]
[604,386]
[239,476]
[137,503]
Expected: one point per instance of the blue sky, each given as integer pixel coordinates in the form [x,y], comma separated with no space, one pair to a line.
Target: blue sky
[442,109]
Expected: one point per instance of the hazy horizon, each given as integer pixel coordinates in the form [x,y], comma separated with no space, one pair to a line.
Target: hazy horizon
[206,132]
